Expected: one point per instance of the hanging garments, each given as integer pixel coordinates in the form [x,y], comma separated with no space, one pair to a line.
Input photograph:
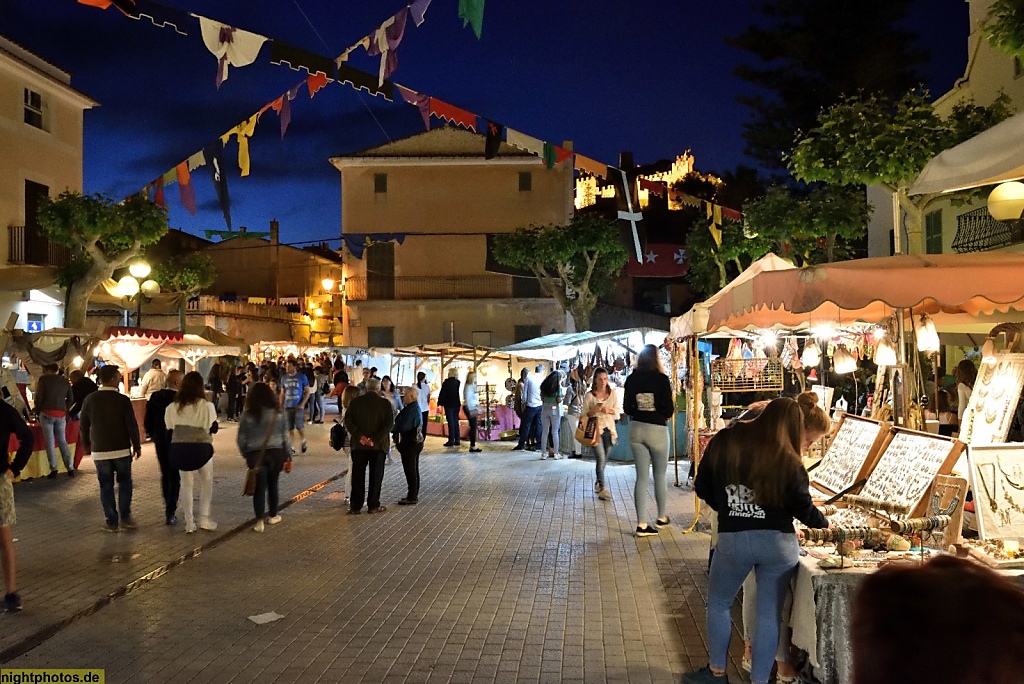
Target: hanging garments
[243,132]
[229,45]
[385,41]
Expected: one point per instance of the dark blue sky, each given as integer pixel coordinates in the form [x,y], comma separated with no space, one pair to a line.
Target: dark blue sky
[649,76]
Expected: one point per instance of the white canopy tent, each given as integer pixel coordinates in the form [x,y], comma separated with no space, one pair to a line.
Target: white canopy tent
[558,346]
[992,156]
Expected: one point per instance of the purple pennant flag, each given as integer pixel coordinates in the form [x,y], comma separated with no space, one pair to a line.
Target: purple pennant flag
[421,101]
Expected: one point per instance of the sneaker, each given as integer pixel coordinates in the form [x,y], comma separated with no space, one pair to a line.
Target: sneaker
[705,676]
[663,522]
[207,525]
[190,529]
[52,475]
[648,531]
[378,509]
[273,520]
[604,495]
[128,524]
[172,520]
[12,603]
[258,527]
[543,457]
[110,528]
[304,446]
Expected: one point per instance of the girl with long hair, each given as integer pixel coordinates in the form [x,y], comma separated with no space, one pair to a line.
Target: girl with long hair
[263,422]
[550,414]
[602,403]
[191,423]
[966,373]
[752,476]
[648,401]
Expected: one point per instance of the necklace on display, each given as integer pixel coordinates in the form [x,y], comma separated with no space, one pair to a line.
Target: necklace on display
[937,497]
[990,495]
[1016,485]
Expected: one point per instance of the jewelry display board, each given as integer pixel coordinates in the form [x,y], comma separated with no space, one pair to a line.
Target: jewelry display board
[993,400]
[850,455]
[948,496]
[907,466]
[997,480]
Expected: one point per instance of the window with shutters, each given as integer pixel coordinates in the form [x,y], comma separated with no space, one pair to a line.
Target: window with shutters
[33,109]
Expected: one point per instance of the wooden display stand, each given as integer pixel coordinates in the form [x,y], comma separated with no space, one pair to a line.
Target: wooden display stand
[993,400]
[851,455]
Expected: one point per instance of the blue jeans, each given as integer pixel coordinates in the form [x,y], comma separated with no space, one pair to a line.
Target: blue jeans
[451,414]
[529,427]
[550,421]
[53,429]
[106,469]
[773,556]
[649,443]
[603,446]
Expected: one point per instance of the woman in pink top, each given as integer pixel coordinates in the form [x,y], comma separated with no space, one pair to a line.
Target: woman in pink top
[603,403]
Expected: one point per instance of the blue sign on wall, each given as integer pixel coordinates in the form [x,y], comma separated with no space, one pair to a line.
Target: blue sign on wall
[34,326]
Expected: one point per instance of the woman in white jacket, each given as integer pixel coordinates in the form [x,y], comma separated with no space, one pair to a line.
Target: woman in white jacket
[471,407]
[191,423]
[602,403]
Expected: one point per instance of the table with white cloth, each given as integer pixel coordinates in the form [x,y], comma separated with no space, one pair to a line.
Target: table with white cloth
[822,604]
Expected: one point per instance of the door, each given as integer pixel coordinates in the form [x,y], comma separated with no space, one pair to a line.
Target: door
[380,271]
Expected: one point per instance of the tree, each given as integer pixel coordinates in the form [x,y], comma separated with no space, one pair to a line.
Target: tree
[869,139]
[187,276]
[809,53]
[575,264]
[809,227]
[1005,29]
[103,235]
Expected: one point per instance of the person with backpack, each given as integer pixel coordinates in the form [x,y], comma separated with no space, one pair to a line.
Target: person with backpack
[551,414]
[408,436]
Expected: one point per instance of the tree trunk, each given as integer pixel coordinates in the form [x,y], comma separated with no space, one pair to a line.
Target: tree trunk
[830,247]
[915,220]
[723,277]
[78,300]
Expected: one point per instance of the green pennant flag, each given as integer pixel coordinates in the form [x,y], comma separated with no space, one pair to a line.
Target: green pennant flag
[550,157]
[472,12]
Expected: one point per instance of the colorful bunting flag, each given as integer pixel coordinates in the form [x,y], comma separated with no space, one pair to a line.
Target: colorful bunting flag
[314,82]
[591,166]
[421,101]
[385,41]
[243,132]
[524,142]
[418,11]
[654,187]
[126,6]
[186,193]
[452,114]
[472,12]
[158,198]
[229,45]
[362,80]
[214,154]
[297,58]
[493,143]
[162,16]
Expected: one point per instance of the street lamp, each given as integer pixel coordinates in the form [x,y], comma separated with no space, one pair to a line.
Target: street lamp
[136,287]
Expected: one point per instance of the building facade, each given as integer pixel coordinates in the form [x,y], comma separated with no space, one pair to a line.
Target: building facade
[41,132]
[438,200]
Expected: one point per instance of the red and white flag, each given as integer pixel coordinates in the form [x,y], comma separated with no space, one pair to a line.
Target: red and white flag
[661,260]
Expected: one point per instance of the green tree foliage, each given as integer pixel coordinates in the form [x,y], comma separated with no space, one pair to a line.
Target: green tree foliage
[103,236]
[869,139]
[809,53]
[575,264]
[1005,29]
[187,276]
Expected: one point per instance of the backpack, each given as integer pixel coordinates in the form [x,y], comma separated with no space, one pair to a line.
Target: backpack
[339,436]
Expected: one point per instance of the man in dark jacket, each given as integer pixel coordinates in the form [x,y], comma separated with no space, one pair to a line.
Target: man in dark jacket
[369,420]
[11,423]
[450,398]
[170,477]
[110,434]
[81,387]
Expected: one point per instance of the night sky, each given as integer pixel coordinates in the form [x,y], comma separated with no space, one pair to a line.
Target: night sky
[648,76]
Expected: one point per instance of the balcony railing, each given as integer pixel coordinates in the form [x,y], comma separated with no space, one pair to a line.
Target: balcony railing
[205,304]
[26,245]
[977,231]
[429,287]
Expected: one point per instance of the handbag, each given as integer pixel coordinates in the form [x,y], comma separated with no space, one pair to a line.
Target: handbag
[586,432]
[253,473]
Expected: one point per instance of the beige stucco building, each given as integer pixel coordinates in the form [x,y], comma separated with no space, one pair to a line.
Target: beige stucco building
[41,122]
[439,192]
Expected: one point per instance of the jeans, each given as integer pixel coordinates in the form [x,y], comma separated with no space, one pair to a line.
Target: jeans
[529,428]
[106,470]
[188,478]
[410,450]
[170,477]
[603,446]
[773,556]
[549,423]
[233,401]
[472,419]
[574,422]
[53,429]
[318,406]
[649,443]
[750,618]
[451,414]
[361,458]
[266,484]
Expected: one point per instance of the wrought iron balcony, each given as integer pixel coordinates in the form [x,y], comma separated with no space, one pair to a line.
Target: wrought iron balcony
[26,245]
[977,231]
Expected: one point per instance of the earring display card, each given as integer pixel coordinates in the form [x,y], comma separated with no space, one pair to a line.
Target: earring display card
[997,480]
[994,398]
[850,455]
[907,466]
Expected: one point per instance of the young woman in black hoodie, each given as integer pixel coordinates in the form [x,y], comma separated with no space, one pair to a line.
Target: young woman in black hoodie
[752,476]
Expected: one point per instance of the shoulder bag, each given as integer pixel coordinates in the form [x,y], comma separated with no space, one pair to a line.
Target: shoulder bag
[586,431]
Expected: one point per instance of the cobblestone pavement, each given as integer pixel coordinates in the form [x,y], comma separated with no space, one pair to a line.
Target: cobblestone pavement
[509,569]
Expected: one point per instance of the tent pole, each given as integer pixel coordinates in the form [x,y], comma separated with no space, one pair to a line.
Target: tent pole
[695,371]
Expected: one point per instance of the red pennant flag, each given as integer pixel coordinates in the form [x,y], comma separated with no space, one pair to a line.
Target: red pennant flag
[653,187]
[660,261]
[158,200]
[455,115]
[315,82]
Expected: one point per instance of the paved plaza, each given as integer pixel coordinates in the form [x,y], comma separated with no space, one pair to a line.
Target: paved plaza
[509,569]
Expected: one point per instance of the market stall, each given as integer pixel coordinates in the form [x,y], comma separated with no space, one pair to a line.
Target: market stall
[38,465]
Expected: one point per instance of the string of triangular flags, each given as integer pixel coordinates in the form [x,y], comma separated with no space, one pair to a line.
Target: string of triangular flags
[235,47]
[715,212]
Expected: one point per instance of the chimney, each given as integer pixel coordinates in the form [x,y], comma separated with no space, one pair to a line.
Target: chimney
[626,161]
[274,230]
[567,145]
[242,229]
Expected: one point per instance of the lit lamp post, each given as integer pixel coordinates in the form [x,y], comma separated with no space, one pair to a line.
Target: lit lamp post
[136,287]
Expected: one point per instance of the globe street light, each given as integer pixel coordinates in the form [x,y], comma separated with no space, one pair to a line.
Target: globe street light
[136,287]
